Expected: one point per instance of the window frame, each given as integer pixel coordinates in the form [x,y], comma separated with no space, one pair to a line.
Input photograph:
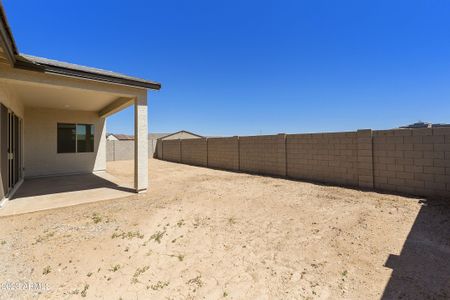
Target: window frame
[76,137]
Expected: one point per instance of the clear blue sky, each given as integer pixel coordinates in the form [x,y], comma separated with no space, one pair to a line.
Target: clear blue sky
[250,67]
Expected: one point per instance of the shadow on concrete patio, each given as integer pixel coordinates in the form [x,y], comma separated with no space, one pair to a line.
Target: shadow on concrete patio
[69,183]
[422,270]
[60,191]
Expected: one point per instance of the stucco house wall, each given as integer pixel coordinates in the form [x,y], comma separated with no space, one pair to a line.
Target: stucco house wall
[10,100]
[40,143]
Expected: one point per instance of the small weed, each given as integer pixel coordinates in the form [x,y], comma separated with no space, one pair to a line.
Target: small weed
[231,221]
[139,271]
[196,281]
[344,275]
[3,242]
[40,238]
[89,274]
[179,256]
[46,270]
[159,285]
[84,291]
[115,268]
[225,294]
[196,222]
[157,236]
[129,235]
[96,218]
[180,223]
[127,249]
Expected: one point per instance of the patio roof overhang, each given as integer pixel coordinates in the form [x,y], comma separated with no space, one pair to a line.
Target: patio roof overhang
[44,90]
[50,66]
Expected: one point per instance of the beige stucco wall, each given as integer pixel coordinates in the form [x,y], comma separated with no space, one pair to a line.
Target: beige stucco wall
[40,139]
[10,100]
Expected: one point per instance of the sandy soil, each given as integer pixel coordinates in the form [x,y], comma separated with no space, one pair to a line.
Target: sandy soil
[208,234]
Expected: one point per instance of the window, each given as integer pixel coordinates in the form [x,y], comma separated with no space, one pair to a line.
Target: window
[85,138]
[74,138]
[66,138]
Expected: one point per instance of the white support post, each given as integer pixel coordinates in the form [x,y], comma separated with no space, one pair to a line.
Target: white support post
[140,144]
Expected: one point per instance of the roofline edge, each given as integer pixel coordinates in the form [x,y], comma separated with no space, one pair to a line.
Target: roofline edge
[20,64]
[6,36]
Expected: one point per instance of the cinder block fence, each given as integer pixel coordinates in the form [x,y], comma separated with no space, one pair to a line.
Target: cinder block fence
[412,161]
[124,150]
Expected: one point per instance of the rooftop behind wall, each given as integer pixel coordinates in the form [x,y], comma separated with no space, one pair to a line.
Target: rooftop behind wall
[411,161]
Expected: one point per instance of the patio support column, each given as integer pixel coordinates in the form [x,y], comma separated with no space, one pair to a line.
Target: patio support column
[140,144]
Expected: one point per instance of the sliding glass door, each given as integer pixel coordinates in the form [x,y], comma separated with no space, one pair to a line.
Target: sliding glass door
[14,150]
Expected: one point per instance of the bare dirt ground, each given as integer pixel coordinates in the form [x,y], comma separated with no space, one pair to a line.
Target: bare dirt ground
[208,234]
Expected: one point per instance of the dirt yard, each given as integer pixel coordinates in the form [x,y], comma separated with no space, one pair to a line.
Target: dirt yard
[208,234]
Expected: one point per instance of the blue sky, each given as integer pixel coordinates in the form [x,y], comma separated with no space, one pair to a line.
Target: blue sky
[257,67]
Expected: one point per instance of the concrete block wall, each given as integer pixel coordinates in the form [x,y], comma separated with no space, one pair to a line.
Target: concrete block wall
[323,157]
[264,154]
[152,144]
[171,150]
[411,161]
[223,153]
[159,149]
[365,159]
[110,151]
[124,150]
[415,161]
[194,152]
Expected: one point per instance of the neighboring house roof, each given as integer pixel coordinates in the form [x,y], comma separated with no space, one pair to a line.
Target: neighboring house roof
[425,125]
[418,125]
[151,136]
[39,64]
[440,125]
[123,137]
[154,136]
[181,131]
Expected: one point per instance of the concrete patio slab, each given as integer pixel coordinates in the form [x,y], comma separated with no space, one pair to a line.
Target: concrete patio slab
[61,191]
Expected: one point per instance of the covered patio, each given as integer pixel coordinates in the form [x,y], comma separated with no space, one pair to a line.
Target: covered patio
[53,130]
[51,192]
